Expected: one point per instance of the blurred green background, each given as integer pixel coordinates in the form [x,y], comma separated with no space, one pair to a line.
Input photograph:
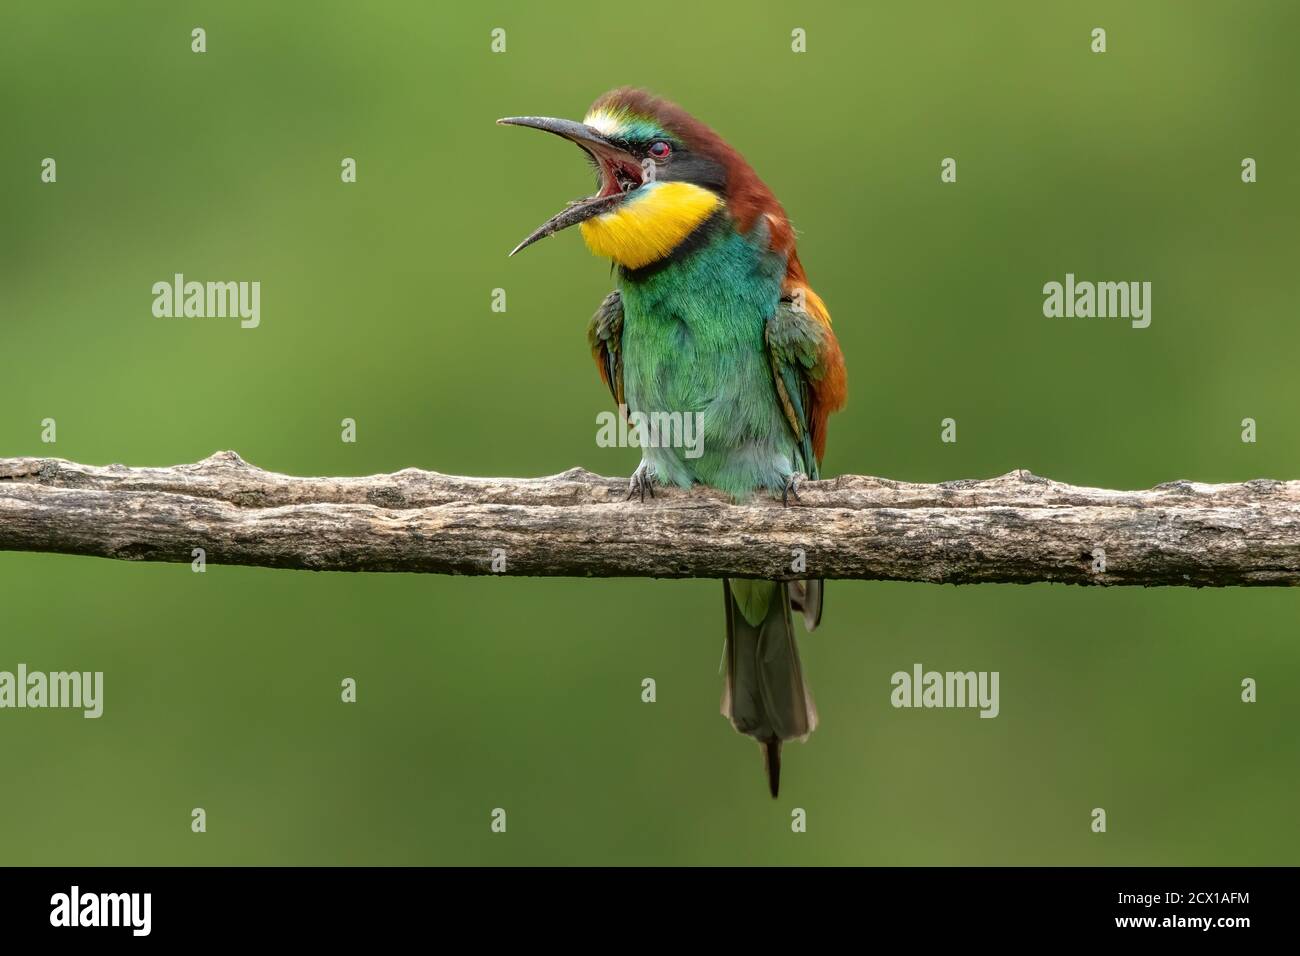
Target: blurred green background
[222,689]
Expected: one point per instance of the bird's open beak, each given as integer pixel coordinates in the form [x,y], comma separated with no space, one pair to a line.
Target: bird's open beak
[620,173]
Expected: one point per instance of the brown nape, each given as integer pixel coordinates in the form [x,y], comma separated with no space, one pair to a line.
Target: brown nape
[747,196]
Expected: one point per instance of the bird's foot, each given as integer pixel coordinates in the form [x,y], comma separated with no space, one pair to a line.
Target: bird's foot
[791,487]
[642,480]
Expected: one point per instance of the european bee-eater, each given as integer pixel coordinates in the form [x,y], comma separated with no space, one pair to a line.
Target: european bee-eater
[712,317]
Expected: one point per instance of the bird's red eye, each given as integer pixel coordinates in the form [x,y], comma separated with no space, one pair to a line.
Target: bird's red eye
[660,150]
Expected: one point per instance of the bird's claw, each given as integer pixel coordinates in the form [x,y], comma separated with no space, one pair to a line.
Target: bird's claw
[642,480]
[791,487]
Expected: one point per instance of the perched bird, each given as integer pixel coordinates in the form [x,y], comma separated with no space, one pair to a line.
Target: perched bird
[712,316]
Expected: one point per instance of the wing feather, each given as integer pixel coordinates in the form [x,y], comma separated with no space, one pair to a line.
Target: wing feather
[807,370]
[605,336]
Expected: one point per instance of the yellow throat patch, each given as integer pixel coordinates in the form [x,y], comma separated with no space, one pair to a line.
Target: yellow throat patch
[648,227]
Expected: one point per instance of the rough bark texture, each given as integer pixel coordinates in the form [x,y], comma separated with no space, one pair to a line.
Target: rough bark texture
[1015,528]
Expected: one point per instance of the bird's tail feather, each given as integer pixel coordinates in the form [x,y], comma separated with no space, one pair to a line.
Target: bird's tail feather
[765,695]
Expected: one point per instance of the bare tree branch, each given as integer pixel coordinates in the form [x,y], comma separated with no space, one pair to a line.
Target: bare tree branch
[1016,528]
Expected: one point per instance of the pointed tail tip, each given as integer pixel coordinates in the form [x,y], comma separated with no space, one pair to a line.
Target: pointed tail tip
[772,763]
